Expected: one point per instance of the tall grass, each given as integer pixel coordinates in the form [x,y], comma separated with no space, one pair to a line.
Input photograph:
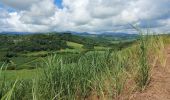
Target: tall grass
[144,69]
[117,72]
[100,73]
[8,95]
[75,80]
[150,52]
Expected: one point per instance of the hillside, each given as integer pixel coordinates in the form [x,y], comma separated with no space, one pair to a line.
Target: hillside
[89,70]
[18,49]
[55,41]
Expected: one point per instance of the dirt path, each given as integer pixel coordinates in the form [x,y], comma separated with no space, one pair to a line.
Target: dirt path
[159,87]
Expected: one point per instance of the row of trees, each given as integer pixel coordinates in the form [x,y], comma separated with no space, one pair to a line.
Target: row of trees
[52,41]
[39,42]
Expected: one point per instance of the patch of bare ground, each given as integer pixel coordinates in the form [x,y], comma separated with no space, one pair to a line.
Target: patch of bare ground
[159,87]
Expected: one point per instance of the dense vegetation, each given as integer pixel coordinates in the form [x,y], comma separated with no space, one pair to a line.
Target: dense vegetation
[17,50]
[80,74]
[51,41]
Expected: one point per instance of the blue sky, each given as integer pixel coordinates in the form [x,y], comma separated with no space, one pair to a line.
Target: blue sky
[84,15]
[58,3]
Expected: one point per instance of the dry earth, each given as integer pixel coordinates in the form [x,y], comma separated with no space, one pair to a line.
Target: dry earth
[159,87]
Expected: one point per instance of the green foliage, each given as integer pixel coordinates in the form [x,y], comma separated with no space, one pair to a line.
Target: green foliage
[39,42]
[74,45]
[88,46]
[66,81]
[144,68]
[11,54]
[72,75]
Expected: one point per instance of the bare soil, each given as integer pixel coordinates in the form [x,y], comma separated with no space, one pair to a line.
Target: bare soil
[159,87]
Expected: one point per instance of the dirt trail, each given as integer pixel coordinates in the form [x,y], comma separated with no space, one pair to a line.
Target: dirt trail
[159,87]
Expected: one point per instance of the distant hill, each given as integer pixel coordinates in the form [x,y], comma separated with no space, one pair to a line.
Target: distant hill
[53,41]
[16,33]
[109,36]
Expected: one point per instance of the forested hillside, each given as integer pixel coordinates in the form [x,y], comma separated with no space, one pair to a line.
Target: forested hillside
[51,41]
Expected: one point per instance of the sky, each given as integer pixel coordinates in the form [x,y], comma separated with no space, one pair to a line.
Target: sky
[84,15]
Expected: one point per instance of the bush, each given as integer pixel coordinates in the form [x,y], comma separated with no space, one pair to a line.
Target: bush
[11,54]
[88,46]
[11,68]
[6,59]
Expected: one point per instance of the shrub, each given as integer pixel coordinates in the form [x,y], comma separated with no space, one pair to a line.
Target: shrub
[11,54]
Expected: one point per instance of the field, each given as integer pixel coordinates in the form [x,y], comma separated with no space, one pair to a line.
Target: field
[71,67]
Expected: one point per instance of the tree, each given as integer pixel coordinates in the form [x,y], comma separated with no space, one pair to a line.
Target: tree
[88,46]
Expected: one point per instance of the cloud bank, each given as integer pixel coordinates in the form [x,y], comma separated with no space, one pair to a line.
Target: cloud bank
[84,15]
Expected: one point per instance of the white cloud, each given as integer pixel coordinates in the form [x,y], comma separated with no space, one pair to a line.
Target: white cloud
[85,15]
[19,4]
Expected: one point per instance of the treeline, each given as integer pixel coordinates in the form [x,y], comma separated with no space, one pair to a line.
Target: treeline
[46,42]
[39,42]
[51,42]
[36,42]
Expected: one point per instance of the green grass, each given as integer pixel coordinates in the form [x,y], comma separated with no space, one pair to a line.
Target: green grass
[25,62]
[144,69]
[100,48]
[2,53]
[65,78]
[69,51]
[19,74]
[35,53]
[75,45]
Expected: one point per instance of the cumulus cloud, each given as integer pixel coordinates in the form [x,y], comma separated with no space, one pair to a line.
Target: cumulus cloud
[19,4]
[39,13]
[85,15]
